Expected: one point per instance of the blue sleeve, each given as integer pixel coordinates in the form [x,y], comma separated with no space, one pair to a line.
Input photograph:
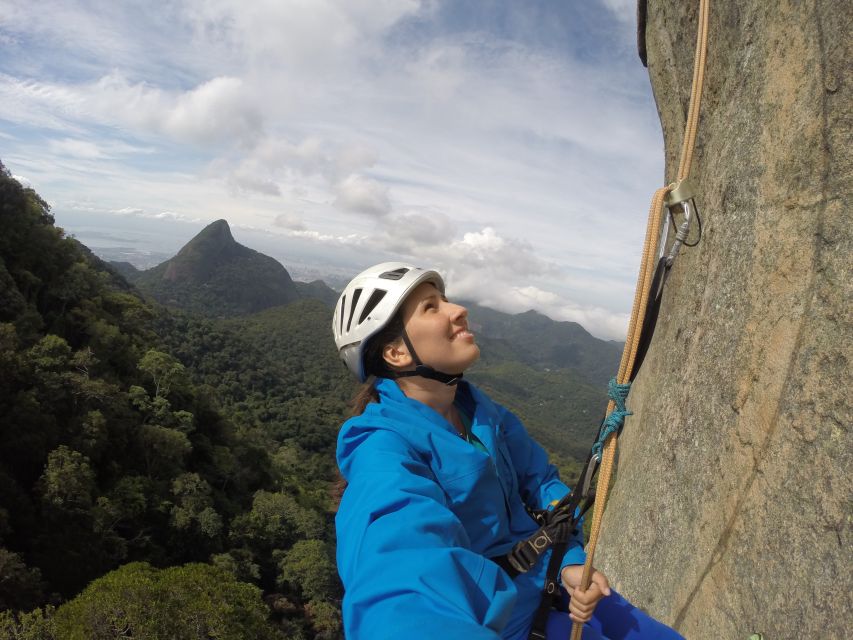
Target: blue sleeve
[404,556]
[538,480]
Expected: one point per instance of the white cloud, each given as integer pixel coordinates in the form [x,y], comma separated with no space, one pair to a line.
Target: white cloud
[501,160]
[329,239]
[601,322]
[310,37]
[76,148]
[217,110]
[244,182]
[354,157]
[415,232]
[507,258]
[289,221]
[171,215]
[362,195]
[624,10]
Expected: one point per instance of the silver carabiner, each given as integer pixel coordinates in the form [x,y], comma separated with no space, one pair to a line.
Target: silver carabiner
[681,235]
[681,195]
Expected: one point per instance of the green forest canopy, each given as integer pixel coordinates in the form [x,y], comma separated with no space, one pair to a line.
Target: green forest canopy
[176,446]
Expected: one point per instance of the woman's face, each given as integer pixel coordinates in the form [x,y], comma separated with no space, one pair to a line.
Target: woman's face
[438,330]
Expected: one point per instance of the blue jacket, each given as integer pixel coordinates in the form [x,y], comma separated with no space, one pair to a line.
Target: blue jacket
[424,510]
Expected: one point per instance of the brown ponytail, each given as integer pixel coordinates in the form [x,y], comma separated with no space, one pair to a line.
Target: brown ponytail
[363,397]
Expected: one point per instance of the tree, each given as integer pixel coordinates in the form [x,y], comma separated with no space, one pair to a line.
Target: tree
[239,563]
[325,619]
[275,521]
[163,449]
[309,567]
[68,481]
[19,584]
[163,369]
[190,602]
[194,505]
[35,625]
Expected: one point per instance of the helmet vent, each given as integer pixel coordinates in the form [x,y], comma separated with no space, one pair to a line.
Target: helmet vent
[375,299]
[343,306]
[396,274]
[355,296]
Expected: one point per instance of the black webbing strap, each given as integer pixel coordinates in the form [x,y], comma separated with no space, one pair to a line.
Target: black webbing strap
[550,593]
[526,553]
[651,318]
[557,526]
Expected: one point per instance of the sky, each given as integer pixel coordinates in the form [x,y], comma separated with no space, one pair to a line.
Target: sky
[514,146]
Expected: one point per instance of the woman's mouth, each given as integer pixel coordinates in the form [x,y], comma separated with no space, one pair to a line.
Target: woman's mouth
[463,334]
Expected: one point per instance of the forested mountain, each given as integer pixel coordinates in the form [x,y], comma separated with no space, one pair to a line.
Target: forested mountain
[111,452]
[553,374]
[215,275]
[195,442]
[317,290]
[126,270]
[542,343]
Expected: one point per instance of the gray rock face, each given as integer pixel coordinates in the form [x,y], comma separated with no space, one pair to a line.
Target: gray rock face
[733,505]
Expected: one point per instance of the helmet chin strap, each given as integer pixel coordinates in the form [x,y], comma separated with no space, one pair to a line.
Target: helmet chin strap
[424,370]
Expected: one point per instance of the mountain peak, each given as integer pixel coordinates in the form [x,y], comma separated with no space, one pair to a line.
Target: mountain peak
[216,233]
[210,247]
[213,273]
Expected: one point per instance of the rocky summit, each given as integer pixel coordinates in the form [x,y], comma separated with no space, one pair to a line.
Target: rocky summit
[215,275]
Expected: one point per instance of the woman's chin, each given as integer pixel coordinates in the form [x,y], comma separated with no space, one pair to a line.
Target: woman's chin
[475,355]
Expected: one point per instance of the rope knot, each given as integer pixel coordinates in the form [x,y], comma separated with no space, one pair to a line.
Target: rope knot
[615,419]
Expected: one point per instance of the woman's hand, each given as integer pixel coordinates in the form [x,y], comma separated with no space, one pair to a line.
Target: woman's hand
[582,603]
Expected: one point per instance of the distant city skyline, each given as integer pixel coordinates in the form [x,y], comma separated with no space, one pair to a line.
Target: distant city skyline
[514,146]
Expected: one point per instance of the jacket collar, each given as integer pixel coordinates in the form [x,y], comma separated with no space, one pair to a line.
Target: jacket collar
[391,393]
[467,396]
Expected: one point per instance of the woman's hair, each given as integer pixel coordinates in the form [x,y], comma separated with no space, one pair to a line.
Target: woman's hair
[374,362]
[374,365]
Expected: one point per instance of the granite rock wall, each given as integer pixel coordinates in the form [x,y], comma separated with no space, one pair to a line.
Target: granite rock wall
[733,506]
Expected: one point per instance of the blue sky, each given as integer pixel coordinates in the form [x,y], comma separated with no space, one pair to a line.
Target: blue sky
[514,145]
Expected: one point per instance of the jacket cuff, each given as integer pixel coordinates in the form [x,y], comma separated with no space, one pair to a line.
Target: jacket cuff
[574,555]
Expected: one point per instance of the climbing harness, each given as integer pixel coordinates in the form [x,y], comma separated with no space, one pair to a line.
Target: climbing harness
[558,523]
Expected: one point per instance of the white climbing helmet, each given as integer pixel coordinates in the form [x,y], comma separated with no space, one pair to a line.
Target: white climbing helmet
[369,302]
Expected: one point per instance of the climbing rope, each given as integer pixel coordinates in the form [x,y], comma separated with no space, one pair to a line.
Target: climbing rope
[644,280]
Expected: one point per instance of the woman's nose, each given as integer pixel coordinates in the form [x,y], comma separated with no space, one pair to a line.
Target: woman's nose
[458,312]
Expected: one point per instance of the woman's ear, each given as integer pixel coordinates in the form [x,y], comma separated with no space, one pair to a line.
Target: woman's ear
[397,355]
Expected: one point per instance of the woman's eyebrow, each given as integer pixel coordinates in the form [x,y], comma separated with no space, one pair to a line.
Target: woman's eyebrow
[431,297]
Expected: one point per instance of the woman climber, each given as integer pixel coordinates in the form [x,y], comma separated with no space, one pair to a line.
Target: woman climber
[439,480]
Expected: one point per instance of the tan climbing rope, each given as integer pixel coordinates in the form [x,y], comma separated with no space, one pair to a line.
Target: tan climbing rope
[644,278]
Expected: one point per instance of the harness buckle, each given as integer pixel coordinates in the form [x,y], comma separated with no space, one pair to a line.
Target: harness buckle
[525,554]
